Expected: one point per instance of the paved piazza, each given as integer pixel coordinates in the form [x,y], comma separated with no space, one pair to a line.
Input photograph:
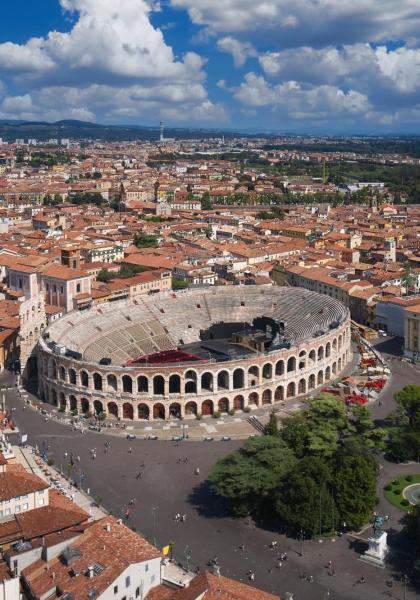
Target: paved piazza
[169,485]
[170,355]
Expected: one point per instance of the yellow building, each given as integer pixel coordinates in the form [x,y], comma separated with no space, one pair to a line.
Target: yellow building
[412,332]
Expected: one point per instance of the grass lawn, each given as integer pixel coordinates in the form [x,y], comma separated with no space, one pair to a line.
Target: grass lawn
[398,485]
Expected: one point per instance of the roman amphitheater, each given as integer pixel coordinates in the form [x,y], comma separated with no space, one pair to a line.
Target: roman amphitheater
[196,352]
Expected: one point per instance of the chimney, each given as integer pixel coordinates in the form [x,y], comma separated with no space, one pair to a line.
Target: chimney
[108,527]
[91,572]
[53,576]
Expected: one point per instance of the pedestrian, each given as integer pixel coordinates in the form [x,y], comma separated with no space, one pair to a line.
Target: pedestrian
[138,476]
[362,579]
[279,564]
[197,471]
[311,579]
[129,450]
[252,576]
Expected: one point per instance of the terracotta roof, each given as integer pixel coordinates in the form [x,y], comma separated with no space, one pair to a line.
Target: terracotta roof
[18,482]
[108,543]
[211,587]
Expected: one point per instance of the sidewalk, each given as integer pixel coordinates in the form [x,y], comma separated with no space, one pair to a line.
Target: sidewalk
[33,463]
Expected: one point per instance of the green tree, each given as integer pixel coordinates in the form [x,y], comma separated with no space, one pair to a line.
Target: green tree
[408,277]
[248,478]
[354,487]
[179,284]
[104,276]
[408,400]
[272,427]
[304,502]
[144,240]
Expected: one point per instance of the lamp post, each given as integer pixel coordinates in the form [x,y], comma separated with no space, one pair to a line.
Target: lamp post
[405,581]
[187,554]
[154,511]
[301,537]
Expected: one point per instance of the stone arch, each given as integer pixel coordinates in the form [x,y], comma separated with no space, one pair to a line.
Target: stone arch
[253,399]
[98,408]
[159,411]
[302,386]
[174,384]
[266,397]
[207,381]
[142,384]
[334,368]
[253,375]
[128,411]
[267,371]
[175,410]
[112,382]
[238,379]
[84,378]
[143,412]
[84,405]
[335,345]
[279,394]
[238,402]
[62,372]
[327,374]
[158,385]
[63,402]
[207,408]
[223,405]
[191,408]
[340,342]
[291,390]
[127,384]
[291,364]
[190,382]
[54,399]
[339,364]
[97,381]
[311,382]
[72,376]
[328,350]
[223,380]
[312,356]
[321,353]
[320,378]
[73,402]
[112,409]
[280,367]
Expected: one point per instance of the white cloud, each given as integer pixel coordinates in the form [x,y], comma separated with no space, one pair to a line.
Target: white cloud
[297,102]
[292,23]
[112,62]
[358,64]
[17,104]
[240,51]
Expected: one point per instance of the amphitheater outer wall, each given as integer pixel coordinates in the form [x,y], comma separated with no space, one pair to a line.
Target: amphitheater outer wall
[165,392]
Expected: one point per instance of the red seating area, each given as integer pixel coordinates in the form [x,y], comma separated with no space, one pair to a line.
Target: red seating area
[166,357]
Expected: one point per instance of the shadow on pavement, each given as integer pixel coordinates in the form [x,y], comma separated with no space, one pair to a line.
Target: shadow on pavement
[206,502]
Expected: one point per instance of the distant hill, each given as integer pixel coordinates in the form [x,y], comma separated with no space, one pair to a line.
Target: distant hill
[81,130]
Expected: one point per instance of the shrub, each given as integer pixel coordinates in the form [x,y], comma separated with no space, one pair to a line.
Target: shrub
[198,416]
[394,481]
[62,409]
[388,487]
[50,462]
[397,491]
[409,478]
[232,412]
[216,414]
[404,502]
[74,412]
[247,409]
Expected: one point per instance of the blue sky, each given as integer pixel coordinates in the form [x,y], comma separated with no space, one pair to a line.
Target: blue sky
[332,66]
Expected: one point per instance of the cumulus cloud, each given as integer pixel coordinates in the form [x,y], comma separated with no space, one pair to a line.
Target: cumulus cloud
[240,51]
[297,102]
[292,23]
[113,50]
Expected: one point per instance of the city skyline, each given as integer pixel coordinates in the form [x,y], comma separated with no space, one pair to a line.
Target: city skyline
[330,67]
